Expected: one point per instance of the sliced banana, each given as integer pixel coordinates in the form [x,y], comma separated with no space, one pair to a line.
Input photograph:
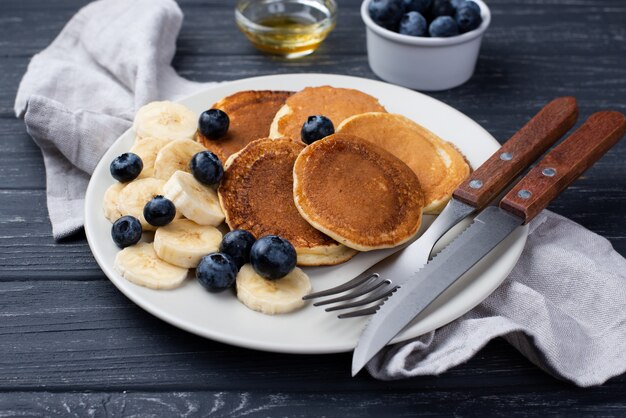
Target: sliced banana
[193,199]
[272,296]
[111,212]
[183,242]
[147,149]
[134,197]
[175,156]
[140,264]
[165,120]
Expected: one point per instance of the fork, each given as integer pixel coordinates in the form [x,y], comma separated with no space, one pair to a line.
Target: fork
[379,281]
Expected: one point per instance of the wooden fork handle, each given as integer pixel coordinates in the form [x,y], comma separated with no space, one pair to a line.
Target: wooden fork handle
[524,147]
[564,164]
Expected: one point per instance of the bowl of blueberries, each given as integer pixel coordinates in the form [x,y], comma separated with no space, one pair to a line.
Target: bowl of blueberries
[425,45]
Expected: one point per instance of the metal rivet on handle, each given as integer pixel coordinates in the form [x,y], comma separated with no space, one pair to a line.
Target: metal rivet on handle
[506,156]
[524,194]
[548,172]
[476,184]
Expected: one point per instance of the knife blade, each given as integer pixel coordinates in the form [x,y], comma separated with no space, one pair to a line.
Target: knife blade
[561,166]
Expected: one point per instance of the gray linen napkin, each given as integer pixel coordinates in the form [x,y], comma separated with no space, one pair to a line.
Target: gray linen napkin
[562,306]
[81,93]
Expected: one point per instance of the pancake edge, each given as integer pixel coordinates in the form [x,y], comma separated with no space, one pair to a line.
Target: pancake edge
[285,110]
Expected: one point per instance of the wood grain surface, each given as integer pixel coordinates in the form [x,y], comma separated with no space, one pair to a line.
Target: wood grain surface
[72,345]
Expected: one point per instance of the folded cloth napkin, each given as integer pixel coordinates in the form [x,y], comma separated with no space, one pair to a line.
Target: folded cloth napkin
[81,93]
[561,307]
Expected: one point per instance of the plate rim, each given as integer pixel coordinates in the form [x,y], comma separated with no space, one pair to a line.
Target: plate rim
[239,340]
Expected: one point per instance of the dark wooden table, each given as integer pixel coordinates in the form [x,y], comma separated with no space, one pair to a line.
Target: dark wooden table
[71,344]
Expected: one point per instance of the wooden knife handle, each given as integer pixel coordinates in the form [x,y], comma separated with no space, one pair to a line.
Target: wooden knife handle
[564,164]
[524,147]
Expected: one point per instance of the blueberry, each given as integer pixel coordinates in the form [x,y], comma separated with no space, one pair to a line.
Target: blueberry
[126,167]
[237,244]
[420,6]
[213,123]
[126,231]
[466,3]
[386,13]
[216,272]
[441,8]
[159,211]
[315,128]
[413,24]
[467,18]
[273,257]
[443,26]
[206,168]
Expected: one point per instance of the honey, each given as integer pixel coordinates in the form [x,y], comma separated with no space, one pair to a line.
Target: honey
[291,28]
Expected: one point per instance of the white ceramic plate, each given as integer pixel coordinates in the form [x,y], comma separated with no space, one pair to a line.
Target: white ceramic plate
[310,330]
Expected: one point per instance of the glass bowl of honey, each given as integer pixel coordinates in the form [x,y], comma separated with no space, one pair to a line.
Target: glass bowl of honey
[290,28]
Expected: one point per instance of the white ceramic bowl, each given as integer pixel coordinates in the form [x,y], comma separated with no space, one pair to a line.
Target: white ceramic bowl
[427,64]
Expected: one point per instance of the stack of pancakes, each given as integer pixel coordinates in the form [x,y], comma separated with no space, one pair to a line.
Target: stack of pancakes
[361,189]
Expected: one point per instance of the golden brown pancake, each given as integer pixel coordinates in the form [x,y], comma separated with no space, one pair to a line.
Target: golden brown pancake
[357,193]
[256,194]
[251,113]
[438,165]
[335,103]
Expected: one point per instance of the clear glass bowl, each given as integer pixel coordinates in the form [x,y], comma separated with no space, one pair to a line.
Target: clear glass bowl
[290,28]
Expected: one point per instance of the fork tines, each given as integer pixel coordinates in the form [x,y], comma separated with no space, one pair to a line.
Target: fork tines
[366,289]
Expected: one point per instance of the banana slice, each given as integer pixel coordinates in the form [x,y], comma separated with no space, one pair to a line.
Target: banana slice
[140,264]
[147,149]
[111,212]
[165,120]
[134,197]
[183,242]
[175,156]
[193,199]
[272,296]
